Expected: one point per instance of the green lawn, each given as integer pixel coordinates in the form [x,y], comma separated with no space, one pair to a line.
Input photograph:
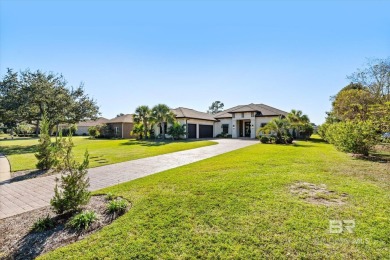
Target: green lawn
[20,152]
[239,206]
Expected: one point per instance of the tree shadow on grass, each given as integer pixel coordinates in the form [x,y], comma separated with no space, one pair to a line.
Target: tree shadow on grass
[373,157]
[148,143]
[18,149]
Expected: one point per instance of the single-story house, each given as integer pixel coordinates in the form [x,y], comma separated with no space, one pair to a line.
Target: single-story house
[82,127]
[238,121]
[121,126]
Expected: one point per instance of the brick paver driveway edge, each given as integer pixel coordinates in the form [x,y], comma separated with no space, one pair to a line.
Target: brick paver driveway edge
[23,196]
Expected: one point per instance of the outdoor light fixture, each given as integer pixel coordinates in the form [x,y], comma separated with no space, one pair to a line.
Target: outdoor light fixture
[233,126]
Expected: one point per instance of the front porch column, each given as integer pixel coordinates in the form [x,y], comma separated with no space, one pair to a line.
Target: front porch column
[234,128]
[253,128]
[197,131]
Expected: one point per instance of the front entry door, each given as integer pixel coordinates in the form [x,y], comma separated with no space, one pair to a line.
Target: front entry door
[247,129]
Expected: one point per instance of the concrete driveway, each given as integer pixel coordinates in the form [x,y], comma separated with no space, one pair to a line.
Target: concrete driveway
[23,196]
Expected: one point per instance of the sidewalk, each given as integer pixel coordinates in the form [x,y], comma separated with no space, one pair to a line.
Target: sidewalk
[5,169]
[23,196]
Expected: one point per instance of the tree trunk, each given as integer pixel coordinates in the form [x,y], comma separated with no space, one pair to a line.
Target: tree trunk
[145,130]
[37,128]
[163,129]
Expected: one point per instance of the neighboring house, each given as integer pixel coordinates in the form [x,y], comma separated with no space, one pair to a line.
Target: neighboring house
[238,121]
[121,126]
[82,127]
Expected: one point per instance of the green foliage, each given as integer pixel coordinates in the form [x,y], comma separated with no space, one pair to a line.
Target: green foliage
[352,136]
[306,130]
[279,127]
[176,130]
[44,149]
[138,130]
[110,196]
[162,114]
[43,224]
[264,139]
[23,129]
[143,115]
[352,104]
[93,131]
[117,206]
[82,220]
[216,107]
[73,189]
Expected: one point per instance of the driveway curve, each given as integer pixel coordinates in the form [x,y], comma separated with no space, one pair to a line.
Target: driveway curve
[5,168]
[23,196]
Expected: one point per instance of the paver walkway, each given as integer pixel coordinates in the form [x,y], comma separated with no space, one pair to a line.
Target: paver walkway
[5,169]
[23,196]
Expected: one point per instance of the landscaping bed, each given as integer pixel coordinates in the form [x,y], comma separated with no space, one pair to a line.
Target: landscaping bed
[17,241]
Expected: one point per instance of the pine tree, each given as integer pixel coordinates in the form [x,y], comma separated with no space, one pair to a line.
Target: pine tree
[45,148]
[72,191]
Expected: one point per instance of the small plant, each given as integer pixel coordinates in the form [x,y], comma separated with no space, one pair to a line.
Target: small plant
[43,224]
[117,206]
[264,139]
[82,220]
[110,196]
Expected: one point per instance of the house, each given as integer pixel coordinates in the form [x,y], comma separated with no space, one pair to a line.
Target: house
[82,127]
[121,126]
[239,121]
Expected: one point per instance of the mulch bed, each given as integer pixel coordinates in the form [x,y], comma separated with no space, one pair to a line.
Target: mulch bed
[17,241]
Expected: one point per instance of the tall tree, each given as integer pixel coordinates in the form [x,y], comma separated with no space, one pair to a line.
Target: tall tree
[38,93]
[216,107]
[376,77]
[10,100]
[297,120]
[162,114]
[143,115]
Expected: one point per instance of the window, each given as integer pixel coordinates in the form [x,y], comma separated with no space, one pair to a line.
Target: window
[225,128]
[252,114]
[233,115]
[242,115]
[263,124]
[116,131]
[165,128]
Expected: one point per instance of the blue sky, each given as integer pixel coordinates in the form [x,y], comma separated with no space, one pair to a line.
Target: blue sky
[287,54]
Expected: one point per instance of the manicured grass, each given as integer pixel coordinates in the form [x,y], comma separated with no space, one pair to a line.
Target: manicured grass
[239,206]
[20,152]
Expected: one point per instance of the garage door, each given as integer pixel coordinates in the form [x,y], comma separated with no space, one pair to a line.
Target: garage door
[205,131]
[191,130]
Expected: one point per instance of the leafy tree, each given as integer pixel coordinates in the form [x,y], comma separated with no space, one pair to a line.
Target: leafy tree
[352,104]
[120,114]
[23,129]
[162,114]
[10,100]
[44,149]
[143,115]
[72,191]
[216,107]
[376,77]
[35,93]
[176,130]
[379,114]
[93,131]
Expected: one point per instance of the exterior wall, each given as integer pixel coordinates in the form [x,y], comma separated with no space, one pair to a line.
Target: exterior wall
[218,126]
[82,130]
[124,130]
[246,116]
[127,128]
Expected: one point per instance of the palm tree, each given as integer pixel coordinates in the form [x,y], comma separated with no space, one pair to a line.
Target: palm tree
[162,114]
[279,126]
[143,115]
[297,120]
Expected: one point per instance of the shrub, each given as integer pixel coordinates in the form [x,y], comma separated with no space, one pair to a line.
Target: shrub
[44,149]
[228,136]
[110,196]
[352,136]
[264,139]
[117,206]
[93,131]
[74,182]
[43,224]
[176,130]
[82,220]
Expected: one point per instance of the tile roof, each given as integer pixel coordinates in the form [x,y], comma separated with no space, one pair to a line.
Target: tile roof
[264,109]
[99,121]
[128,118]
[182,112]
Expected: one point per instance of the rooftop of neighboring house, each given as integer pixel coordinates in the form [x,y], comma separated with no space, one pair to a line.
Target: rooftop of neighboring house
[182,112]
[128,118]
[260,109]
[88,123]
